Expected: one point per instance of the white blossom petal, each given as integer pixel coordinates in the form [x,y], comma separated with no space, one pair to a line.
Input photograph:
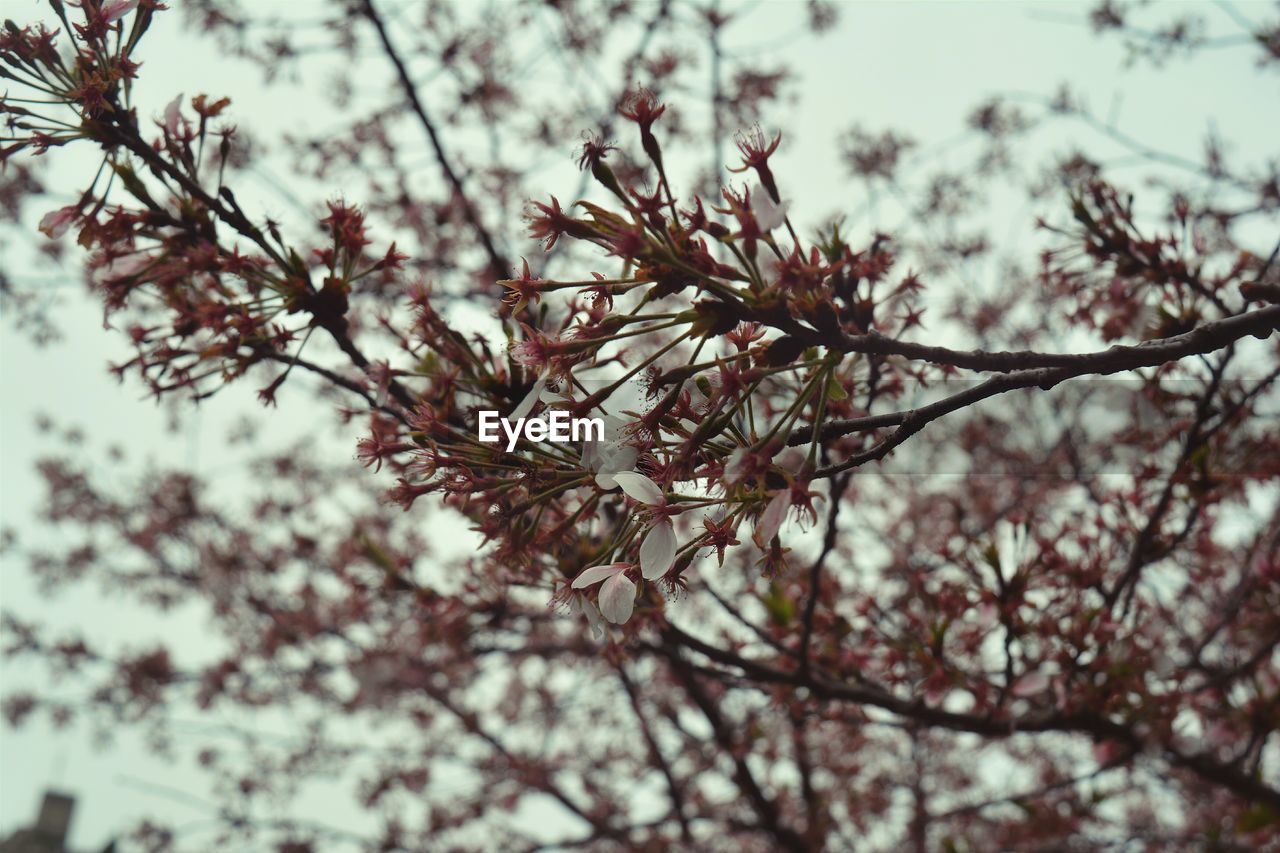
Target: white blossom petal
[618,457]
[611,455]
[591,458]
[639,487]
[173,115]
[595,574]
[617,598]
[1011,542]
[658,551]
[56,222]
[768,215]
[734,469]
[530,400]
[615,429]
[593,619]
[615,458]
[579,604]
[606,482]
[117,9]
[771,518]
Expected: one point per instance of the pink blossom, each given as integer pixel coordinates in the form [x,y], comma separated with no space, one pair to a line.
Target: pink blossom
[1031,684]
[1221,733]
[772,517]
[117,9]
[56,222]
[744,463]
[173,116]
[1107,751]
[617,594]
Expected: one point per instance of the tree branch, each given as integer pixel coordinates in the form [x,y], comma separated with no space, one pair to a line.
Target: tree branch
[499,267]
[1205,339]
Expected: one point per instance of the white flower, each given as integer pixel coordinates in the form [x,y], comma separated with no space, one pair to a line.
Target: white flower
[117,9]
[1011,547]
[610,456]
[579,604]
[530,400]
[768,215]
[617,595]
[615,460]
[639,487]
[772,517]
[658,551]
[736,468]
[172,116]
[56,222]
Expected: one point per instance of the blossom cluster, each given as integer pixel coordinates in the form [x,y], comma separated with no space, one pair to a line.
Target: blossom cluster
[731,327]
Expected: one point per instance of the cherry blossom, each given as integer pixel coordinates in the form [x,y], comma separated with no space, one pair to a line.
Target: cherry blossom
[173,120]
[769,214]
[617,596]
[55,223]
[639,488]
[117,9]
[772,517]
[612,455]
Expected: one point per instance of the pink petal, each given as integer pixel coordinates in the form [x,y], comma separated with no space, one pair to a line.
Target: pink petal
[1107,751]
[173,115]
[1031,684]
[1220,734]
[117,9]
[771,518]
[56,222]
[639,487]
[735,467]
[617,598]
[597,574]
[658,551]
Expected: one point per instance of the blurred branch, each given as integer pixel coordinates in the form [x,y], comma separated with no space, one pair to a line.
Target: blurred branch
[499,266]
